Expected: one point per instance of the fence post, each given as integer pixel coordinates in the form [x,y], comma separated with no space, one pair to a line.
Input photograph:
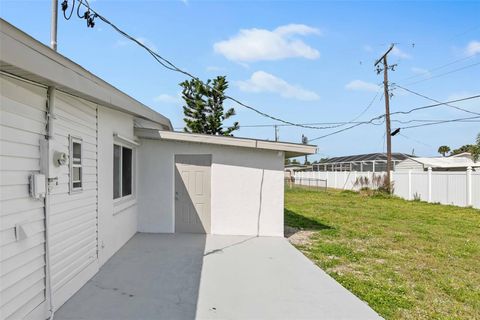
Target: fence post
[410,185]
[429,184]
[354,180]
[335,179]
[469,186]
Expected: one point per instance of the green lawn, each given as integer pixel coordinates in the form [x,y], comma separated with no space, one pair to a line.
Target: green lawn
[406,259]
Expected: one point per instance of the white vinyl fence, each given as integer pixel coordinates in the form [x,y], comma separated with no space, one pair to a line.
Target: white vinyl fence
[459,188]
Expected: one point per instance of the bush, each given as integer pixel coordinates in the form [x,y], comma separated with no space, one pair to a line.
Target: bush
[378,182]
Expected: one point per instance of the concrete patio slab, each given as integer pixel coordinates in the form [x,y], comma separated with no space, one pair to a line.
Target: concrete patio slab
[187,276]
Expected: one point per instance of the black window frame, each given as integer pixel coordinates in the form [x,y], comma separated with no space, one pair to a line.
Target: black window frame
[121,173]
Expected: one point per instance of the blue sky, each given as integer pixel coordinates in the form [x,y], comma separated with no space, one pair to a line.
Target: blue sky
[303,61]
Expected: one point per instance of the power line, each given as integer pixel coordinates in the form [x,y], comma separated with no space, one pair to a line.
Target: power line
[428,120]
[366,108]
[415,140]
[438,122]
[445,73]
[439,67]
[344,123]
[434,100]
[437,104]
[351,127]
[371,121]
[169,65]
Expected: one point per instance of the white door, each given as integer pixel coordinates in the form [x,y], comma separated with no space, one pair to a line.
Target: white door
[192,193]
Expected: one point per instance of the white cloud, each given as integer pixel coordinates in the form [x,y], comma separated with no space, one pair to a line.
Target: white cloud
[292,29]
[367,48]
[167,98]
[473,48]
[213,69]
[261,81]
[400,54]
[261,44]
[359,85]
[421,71]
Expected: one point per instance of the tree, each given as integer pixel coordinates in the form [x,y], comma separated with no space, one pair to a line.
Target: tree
[473,149]
[462,149]
[443,150]
[203,109]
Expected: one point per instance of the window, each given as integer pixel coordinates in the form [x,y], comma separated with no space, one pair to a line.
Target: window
[76,178]
[122,171]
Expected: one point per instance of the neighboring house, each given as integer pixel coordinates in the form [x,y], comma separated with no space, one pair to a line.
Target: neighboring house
[371,162]
[459,162]
[83,167]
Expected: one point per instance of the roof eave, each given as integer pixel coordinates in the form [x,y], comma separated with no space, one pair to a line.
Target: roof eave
[291,149]
[24,57]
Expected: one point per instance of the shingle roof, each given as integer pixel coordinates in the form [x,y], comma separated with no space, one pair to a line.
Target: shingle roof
[367,157]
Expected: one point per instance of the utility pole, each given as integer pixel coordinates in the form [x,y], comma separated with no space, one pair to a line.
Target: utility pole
[383,60]
[276,132]
[305,141]
[53,25]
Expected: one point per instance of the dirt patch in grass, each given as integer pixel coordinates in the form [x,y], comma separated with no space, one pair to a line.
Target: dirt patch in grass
[298,237]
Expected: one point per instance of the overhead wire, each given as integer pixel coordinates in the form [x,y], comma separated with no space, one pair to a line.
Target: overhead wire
[171,66]
[439,67]
[434,100]
[64,9]
[444,74]
[438,122]
[371,121]
[436,105]
[415,140]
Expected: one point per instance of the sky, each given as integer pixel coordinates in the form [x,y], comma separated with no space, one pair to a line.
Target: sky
[301,61]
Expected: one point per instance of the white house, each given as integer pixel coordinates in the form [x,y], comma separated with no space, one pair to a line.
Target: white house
[83,167]
[458,162]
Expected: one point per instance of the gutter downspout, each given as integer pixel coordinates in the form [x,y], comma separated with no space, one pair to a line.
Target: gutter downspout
[49,146]
[47,154]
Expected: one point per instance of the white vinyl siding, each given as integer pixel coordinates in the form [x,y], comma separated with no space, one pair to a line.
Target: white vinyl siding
[409,164]
[73,213]
[22,263]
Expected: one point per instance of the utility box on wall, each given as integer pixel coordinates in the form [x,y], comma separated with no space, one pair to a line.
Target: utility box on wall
[37,185]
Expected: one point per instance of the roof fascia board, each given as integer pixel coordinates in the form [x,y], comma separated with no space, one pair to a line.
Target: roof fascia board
[290,149]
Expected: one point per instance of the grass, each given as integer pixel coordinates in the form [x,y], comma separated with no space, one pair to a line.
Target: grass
[406,259]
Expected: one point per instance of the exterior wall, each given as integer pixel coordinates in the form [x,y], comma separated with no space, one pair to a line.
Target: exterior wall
[22,263]
[236,186]
[409,164]
[117,221]
[73,215]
